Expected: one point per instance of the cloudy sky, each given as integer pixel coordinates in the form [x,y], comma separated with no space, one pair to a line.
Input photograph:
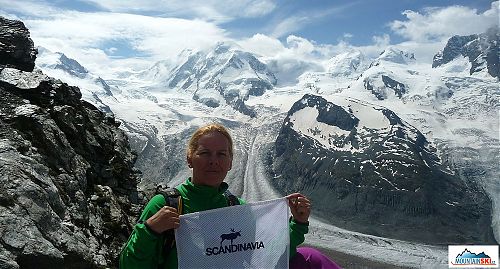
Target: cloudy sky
[107,34]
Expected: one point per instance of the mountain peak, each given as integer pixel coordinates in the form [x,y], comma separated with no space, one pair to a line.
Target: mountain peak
[343,115]
[59,60]
[223,74]
[347,63]
[480,49]
[395,55]
[225,46]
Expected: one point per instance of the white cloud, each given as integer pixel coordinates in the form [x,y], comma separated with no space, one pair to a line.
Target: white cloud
[435,24]
[373,50]
[112,50]
[88,36]
[291,24]
[381,41]
[261,44]
[29,8]
[305,50]
[288,61]
[294,47]
[347,36]
[217,11]
[300,45]
[259,8]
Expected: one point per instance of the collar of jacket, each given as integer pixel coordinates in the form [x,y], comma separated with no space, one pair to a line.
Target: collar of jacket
[205,191]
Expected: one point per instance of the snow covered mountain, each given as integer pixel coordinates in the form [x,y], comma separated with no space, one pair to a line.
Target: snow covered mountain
[383,78]
[58,65]
[367,170]
[223,75]
[449,108]
[457,111]
[347,64]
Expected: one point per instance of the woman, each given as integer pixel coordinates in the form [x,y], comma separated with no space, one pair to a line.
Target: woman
[210,155]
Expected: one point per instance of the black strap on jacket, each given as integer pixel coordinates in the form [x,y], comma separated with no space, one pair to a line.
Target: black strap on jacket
[173,199]
[231,199]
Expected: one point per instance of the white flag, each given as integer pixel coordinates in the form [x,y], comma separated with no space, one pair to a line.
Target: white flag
[255,235]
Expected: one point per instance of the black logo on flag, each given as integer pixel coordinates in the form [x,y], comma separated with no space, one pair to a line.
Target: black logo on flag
[233,247]
[230,236]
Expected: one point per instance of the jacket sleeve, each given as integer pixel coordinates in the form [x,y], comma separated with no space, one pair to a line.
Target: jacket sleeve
[144,246]
[297,235]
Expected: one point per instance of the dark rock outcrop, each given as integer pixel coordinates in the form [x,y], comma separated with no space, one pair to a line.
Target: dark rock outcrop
[398,87]
[366,170]
[68,189]
[16,47]
[383,91]
[481,50]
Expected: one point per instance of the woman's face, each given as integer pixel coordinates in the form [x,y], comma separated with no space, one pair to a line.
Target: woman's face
[211,160]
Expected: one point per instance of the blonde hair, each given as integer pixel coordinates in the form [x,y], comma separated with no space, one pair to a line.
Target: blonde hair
[214,127]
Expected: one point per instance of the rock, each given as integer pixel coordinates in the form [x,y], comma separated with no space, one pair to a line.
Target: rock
[68,189]
[398,87]
[16,47]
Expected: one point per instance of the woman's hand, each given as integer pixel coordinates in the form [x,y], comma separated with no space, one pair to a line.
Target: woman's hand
[165,219]
[300,207]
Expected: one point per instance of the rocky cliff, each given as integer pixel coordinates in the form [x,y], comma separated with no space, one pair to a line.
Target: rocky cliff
[68,190]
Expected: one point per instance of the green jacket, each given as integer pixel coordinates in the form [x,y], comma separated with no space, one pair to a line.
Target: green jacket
[144,248]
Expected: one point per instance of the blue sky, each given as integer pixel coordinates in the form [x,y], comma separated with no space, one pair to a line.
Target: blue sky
[105,32]
[327,21]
